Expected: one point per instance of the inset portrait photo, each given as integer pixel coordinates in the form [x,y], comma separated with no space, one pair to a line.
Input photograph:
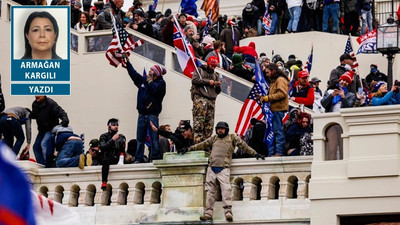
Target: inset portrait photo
[40,32]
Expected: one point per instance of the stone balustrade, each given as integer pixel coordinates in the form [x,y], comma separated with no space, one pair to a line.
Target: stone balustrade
[172,189]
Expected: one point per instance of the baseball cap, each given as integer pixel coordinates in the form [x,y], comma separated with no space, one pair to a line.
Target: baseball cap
[184,125]
[94,143]
[346,56]
[248,7]
[315,80]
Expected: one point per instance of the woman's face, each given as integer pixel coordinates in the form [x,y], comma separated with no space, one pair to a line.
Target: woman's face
[41,35]
[83,19]
[383,88]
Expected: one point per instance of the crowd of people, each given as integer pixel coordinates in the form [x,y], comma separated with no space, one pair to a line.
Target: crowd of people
[56,145]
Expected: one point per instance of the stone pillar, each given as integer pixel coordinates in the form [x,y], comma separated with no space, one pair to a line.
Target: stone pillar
[114,196]
[147,195]
[302,190]
[97,197]
[131,194]
[183,177]
[283,191]
[247,191]
[66,199]
[265,190]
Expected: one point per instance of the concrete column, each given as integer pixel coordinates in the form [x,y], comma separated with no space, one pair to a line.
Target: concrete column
[265,187]
[183,177]
[247,191]
[66,198]
[302,190]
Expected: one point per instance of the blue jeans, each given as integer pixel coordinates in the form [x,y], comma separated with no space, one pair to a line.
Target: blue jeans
[259,27]
[69,154]
[331,10]
[366,17]
[43,149]
[279,136]
[295,13]
[10,127]
[274,22]
[141,132]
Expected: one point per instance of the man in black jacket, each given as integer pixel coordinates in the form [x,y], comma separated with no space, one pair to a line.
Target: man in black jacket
[346,62]
[112,145]
[47,114]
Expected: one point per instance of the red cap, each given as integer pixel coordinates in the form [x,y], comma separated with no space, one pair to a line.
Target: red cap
[302,74]
[212,60]
[348,76]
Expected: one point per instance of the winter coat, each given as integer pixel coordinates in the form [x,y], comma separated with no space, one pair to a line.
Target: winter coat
[104,20]
[347,102]
[222,149]
[293,135]
[248,52]
[303,94]
[389,98]
[150,95]
[47,114]
[226,36]
[200,84]
[278,95]
[178,139]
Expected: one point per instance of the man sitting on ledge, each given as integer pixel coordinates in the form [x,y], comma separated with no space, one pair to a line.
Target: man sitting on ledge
[221,147]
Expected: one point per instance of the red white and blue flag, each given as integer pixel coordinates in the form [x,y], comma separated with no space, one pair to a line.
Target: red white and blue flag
[209,22]
[266,107]
[349,50]
[154,6]
[211,4]
[310,60]
[16,206]
[251,109]
[266,23]
[367,43]
[122,43]
[184,51]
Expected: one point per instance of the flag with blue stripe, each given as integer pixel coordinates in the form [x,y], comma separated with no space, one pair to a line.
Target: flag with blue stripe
[266,108]
[154,6]
[189,7]
[209,22]
[16,205]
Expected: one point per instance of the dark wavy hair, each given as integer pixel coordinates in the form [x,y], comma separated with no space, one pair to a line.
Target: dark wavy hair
[28,48]
[278,72]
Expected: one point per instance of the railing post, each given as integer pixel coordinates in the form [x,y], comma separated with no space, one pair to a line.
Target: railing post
[183,177]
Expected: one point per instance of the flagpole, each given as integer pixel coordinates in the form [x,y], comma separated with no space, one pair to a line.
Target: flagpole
[190,53]
[358,72]
[312,52]
[163,3]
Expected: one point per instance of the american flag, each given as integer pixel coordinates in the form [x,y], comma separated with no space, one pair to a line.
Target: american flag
[212,5]
[250,109]
[122,42]
[309,60]
[209,22]
[349,50]
[267,21]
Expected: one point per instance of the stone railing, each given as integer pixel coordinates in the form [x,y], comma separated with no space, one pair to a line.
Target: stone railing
[172,189]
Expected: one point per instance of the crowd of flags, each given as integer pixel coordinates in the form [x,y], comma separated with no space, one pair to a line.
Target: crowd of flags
[122,43]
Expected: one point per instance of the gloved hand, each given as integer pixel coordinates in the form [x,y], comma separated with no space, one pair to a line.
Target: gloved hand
[183,150]
[64,123]
[260,156]
[264,99]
